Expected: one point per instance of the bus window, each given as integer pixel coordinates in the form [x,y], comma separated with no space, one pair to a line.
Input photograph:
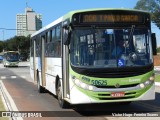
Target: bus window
[50,36]
[58,32]
[54,47]
[53,34]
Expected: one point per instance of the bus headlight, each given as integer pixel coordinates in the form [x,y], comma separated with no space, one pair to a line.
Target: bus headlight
[90,87]
[82,84]
[142,85]
[151,78]
[77,82]
[148,82]
[7,63]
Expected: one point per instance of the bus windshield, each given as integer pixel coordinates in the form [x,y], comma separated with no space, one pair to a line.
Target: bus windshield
[11,56]
[101,47]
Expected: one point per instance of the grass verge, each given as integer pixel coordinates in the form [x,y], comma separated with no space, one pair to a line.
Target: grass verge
[157,77]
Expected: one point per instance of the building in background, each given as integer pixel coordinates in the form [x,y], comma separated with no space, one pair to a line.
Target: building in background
[27,23]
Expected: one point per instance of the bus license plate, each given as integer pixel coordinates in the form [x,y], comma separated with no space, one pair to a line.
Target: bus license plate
[118,94]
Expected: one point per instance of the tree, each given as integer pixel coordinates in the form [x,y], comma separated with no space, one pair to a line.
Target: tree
[153,6]
[1,46]
[17,43]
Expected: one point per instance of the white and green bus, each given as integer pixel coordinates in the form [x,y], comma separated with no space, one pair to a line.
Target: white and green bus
[73,57]
[11,58]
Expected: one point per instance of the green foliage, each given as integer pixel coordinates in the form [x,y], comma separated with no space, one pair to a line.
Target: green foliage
[153,6]
[1,46]
[158,50]
[157,77]
[17,43]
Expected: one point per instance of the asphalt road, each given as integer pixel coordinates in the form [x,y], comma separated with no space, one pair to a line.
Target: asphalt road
[26,97]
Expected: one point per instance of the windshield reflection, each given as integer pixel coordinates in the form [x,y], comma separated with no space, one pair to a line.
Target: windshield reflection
[110,47]
[12,56]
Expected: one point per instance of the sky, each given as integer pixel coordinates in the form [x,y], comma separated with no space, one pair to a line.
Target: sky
[53,9]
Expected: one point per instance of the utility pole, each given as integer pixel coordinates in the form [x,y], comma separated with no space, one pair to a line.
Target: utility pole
[26,3]
[3,34]
[3,39]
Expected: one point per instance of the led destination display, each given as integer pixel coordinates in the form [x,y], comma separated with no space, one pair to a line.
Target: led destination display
[110,18]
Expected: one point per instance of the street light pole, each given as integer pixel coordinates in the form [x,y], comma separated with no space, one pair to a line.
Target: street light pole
[3,34]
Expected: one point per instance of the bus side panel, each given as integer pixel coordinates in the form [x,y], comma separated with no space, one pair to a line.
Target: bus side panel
[53,69]
[43,62]
[31,68]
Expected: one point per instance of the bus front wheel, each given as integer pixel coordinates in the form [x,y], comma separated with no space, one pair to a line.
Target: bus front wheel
[62,102]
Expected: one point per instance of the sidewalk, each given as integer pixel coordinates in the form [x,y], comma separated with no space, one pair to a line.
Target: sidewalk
[157,69]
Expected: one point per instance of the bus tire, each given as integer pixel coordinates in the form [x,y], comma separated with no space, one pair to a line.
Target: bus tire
[40,88]
[62,102]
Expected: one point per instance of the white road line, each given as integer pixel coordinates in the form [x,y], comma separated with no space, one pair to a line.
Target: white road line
[13,77]
[23,76]
[3,77]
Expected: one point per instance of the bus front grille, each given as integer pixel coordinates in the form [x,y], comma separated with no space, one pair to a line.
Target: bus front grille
[116,98]
[122,86]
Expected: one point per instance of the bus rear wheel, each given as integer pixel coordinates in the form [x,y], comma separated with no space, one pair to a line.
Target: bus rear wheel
[62,102]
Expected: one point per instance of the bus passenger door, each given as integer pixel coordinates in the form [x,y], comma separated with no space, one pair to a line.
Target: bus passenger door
[34,60]
[65,64]
[65,72]
[42,58]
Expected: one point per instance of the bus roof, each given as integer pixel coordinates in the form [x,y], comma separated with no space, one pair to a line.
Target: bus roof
[71,13]
[100,9]
[48,26]
[9,51]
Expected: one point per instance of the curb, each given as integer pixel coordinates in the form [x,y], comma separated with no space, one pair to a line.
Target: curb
[8,102]
[157,68]
[157,84]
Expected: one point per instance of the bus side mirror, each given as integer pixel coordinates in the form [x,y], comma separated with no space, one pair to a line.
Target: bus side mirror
[154,43]
[66,36]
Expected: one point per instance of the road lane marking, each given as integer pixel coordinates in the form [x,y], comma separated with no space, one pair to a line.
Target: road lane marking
[13,77]
[23,76]
[3,77]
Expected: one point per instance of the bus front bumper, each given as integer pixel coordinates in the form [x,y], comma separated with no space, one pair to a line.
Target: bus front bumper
[12,63]
[79,96]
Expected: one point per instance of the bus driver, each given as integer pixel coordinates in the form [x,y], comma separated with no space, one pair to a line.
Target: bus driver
[118,49]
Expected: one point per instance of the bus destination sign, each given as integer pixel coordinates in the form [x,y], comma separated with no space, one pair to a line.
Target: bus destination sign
[111,18]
